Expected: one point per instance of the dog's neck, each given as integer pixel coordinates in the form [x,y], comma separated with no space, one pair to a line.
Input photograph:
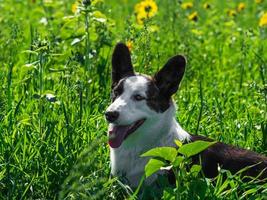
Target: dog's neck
[160,130]
[169,129]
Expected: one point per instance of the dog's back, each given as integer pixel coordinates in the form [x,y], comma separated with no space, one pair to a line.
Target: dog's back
[230,158]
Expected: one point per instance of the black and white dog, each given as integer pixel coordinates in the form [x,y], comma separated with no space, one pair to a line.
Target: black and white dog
[142,117]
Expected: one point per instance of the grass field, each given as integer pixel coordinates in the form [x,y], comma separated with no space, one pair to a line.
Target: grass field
[55,85]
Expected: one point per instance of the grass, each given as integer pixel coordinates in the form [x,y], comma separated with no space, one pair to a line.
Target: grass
[55,84]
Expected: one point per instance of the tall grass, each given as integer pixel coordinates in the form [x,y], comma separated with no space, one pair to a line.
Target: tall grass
[55,86]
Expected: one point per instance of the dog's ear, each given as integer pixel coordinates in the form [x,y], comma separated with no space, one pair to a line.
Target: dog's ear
[170,76]
[121,63]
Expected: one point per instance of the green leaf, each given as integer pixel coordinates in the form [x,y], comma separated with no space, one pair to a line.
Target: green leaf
[167,153]
[2,174]
[195,169]
[198,189]
[99,16]
[194,148]
[169,194]
[250,191]
[177,161]
[222,187]
[153,166]
[30,52]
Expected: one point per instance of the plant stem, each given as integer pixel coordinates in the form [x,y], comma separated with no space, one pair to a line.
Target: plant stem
[87,40]
[40,91]
[201,106]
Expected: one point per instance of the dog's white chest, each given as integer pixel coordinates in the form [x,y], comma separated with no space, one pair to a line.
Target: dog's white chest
[129,164]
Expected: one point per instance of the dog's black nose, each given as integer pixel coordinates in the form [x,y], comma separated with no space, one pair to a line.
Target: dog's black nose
[112,116]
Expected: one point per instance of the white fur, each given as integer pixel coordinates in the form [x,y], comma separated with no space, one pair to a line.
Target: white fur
[159,129]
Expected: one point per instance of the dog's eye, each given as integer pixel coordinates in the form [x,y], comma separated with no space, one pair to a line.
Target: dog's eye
[138,97]
[115,94]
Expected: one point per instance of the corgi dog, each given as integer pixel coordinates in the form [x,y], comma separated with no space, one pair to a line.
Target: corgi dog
[142,116]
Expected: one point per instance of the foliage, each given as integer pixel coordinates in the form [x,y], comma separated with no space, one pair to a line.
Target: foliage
[190,182]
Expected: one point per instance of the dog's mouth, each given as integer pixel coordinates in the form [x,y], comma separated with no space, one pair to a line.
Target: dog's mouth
[118,133]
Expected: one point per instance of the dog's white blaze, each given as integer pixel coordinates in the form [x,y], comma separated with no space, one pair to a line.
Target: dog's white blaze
[159,129]
[130,110]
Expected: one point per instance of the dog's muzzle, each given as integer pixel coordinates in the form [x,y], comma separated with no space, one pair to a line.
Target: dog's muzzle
[112,116]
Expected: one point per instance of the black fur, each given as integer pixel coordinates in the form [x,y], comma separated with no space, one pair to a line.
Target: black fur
[170,76]
[117,89]
[230,158]
[165,83]
[121,64]
[155,99]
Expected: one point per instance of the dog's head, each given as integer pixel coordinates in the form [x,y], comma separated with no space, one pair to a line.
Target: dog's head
[139,100]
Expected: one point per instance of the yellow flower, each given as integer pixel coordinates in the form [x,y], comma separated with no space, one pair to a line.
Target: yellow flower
[74,7]
[187,5]
[137,7]
[144,10]
[206,5]
[193,16]
[129,44]
[147,6]
[240,7]
[231,13]
[258,1]
[263,20]
[141,17]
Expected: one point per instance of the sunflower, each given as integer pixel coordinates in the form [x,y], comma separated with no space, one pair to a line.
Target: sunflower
[74,7]
[263,20]
[240,7]
[145,10]
[231,13]
[187,5]
[206,6]
[193,16]
[141,17]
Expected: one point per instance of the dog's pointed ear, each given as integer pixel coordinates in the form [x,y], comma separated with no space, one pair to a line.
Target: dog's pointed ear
[170,76]
[121,63]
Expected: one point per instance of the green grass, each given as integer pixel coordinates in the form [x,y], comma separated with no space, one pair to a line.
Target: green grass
[55,85]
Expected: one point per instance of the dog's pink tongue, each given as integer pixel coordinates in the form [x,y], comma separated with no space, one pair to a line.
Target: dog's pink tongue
[116,135]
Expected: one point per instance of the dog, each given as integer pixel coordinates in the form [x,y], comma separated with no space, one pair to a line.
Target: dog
[142,116]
